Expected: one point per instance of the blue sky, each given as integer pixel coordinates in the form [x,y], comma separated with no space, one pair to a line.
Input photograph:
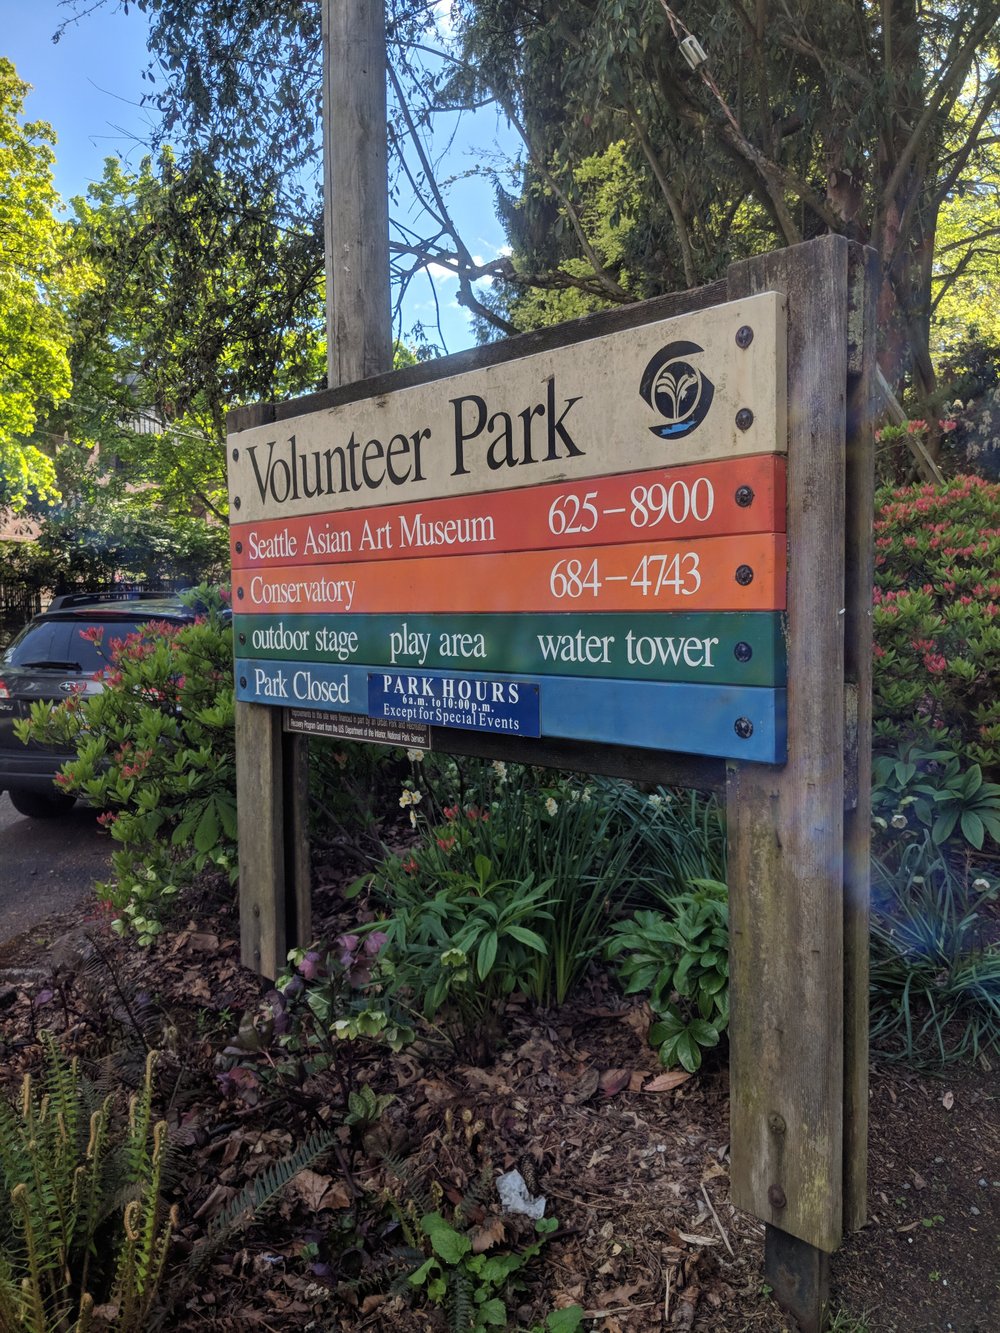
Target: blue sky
[88,87]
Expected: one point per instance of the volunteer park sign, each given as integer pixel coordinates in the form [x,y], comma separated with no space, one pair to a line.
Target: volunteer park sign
[570,549]
[585,543]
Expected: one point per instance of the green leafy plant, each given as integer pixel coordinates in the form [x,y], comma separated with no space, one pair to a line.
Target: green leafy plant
[472,1286]
[459,955]
[676,836]
[307,1040]
[568,835]
[918,789]
[155,752]
[935,966]
[683,962]
[81,1220]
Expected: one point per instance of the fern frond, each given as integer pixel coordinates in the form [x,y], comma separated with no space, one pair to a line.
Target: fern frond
[460,1300]
[413,1182]
[140,1116]
[258,1195]
[10,1303]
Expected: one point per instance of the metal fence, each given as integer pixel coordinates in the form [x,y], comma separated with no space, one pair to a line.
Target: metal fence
[18,603]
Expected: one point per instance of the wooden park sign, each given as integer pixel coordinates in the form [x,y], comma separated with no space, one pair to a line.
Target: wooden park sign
[638,543]
[584,543]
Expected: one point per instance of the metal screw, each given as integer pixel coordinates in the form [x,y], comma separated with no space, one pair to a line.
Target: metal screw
[239,593]
[239,548]
[776,1123]
[236,502]
[236,455]
[243,682]
[744,575]
[243,638]
[744,418]
[743,652]
[776,1196]
[743,728]
[744,336]
[744,496]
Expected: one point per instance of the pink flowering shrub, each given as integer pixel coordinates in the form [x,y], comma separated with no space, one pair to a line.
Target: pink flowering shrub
[937,619]
[155,753]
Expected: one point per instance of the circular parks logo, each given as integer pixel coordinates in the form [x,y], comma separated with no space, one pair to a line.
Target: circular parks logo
[677,390]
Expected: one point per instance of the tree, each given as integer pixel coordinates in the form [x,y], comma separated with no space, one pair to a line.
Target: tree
[38,276]
[201,301]
[788,121]
[855,118]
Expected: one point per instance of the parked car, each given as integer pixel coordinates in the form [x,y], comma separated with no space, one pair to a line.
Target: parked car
[55,656]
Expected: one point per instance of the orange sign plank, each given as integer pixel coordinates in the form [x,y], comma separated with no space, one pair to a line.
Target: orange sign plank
[702,500]
[744,573]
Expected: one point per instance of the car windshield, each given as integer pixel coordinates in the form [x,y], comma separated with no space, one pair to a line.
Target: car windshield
[61,644]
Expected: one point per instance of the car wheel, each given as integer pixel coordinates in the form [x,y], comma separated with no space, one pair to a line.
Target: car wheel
[39,804]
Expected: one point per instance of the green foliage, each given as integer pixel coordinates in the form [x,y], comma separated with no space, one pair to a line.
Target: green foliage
[155,751]
[308,1034]
[81,1222]
[458,955]
[936,624]
[683,962]
[935,967]
[38,275]
[933,788]
[202,300]
[677,837]
[351,785]
[472,1286]
[578,840]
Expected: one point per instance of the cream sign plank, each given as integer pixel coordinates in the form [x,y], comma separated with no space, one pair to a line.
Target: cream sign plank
[703,386]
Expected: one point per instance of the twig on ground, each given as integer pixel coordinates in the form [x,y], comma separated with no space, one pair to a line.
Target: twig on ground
[722,1230]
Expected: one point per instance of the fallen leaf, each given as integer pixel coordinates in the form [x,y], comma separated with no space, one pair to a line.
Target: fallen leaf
[318,1192]
[586,1086]
[693,1239]
[486,1236]
[620,1296]
[673,1078]
[612,1081]
[948,1100]
[216,1201]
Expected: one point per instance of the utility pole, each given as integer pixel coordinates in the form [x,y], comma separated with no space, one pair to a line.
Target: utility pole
[355,191]
[272,765]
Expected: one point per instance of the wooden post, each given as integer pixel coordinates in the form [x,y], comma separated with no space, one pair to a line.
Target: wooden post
[272,765]
[864,281]
[791,882]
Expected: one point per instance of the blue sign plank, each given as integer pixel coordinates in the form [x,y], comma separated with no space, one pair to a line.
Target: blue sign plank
[730,722]
[504,707]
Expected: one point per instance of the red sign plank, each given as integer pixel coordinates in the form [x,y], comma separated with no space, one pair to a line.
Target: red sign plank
[703,500]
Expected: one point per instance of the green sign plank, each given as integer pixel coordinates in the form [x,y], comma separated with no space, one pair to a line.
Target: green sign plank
[739,648]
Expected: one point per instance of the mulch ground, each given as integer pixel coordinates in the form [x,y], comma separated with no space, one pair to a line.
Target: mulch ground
[634,1169]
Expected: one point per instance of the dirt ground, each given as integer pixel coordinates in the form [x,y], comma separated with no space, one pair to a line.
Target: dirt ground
[634,1169]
